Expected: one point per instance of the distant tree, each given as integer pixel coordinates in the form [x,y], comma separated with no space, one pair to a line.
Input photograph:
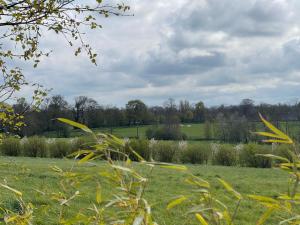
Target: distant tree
[80,108]
[171,113]
[93,114]
[58,107]
[158,114]
[114,117]
[247,108]
[21,106]
[207,130]
[232,129]
[186,111]
[136,112]
[199,112]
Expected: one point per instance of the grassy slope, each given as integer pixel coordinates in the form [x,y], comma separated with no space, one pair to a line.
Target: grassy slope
[26,174]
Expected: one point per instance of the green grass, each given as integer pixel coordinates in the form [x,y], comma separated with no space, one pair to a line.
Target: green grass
[194,131]
[29,175]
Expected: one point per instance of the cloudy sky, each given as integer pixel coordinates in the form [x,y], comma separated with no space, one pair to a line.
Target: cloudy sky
[215,51]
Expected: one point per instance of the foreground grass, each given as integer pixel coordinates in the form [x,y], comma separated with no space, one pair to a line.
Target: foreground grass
[29,175]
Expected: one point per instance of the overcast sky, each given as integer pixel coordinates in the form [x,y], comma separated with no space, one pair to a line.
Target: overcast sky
[216,51]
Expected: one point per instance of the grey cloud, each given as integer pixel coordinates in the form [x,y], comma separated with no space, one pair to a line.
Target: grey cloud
[238,18]
[158,65]
[211,50]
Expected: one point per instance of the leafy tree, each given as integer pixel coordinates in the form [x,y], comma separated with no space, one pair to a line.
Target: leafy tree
[83,106]
[186,111]
[58,107]
[136,111]
[25,23]
[199,112]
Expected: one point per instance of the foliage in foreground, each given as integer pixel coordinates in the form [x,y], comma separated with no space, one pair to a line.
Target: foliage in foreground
[128,204]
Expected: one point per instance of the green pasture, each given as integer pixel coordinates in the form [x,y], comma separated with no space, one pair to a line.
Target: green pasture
[34,177]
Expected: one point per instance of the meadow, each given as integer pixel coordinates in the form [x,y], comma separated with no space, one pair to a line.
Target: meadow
[193,131]
[34,176]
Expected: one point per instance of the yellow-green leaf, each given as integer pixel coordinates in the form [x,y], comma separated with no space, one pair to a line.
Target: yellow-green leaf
[75,124]
[11,189]
[277,133]
[265,216]
[263,199]
[274,157]
[176,202]
[87,157]
[201,219]
[98,194]
[267,134]
[230,189]
[198,182]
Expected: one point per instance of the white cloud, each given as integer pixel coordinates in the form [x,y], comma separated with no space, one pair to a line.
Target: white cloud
[210,50]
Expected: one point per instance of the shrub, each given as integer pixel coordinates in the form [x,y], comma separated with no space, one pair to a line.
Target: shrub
[141,147]
[35,147]
[80,142]
[60,148]
[196,154]
[166,152]
[249,157]
[224,155]
[283,150]
[11,146]
[165,133]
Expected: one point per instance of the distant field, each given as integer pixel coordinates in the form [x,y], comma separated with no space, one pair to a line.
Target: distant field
[28,175]
[194,131]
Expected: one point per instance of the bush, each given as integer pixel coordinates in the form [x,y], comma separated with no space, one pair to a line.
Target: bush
[11,146]
[248,156]
[196,154]
[224,155]
[283,150]
[60,148]
[81,142]
[165,133]
[141,147]
[35,147]
[166,152]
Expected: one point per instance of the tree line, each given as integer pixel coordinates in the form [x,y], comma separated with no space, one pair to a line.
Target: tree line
[88,111]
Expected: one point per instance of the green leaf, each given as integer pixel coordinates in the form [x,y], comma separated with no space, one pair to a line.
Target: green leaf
[198,182]
[265,216]
[86,158]
[230,189]
[122,168]
[11,189]
[201,219]
[176,202]
[267,134]
[98,194]
[75,124]
[274,157]
[277,133]
[168,165]
[264,199]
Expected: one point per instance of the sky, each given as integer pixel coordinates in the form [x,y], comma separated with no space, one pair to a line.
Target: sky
[218,52]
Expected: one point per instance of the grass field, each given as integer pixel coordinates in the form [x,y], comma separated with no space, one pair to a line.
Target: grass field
[28,175]
[194,131]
